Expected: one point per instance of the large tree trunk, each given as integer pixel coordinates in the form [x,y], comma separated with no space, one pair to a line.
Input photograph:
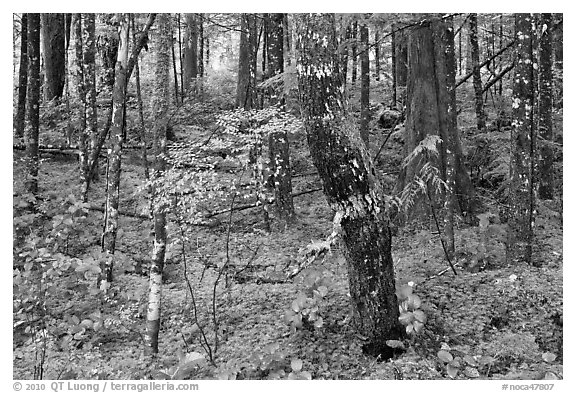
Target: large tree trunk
[19,118]
[522,149]
[430,107]
[115,153]
[475,54]
[54,55]
[33,105]
[246,88]
[558,60]
[546,176]
[278,139]
[400,63]
[349,183]
[190,52]
[365,85]
[159,210]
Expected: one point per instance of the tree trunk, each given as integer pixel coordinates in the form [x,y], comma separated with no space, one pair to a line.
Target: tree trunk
[246,88]
[159,208]
[175,70]
[546,175]
[89,47]
[350,186]
[365,84]
[377,54]
[83,144]
[33,104]
[393,61]
[558,61]
[523,139]
[54,55]
[475,54]
[401,63]
[278,139]
[190,52]
[19,119]
[430,107]
[354,37]
[115,153]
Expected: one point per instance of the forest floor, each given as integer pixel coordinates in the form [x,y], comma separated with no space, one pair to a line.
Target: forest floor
[494,321]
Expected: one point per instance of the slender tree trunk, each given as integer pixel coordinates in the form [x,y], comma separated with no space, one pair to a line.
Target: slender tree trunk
[365,84]
[159,209]
[523,140]
[287,48]
[558,61]
[475,54]
[377,54]
[354,36]
[54,59]
[115,153]
[201,48]
[33,105]
[345,55]
[181,58]
[278,139]
[89,46]
[175,71]
[101,137]
[349,185]
[393,61]
[545,131]
[19,119]
[83,137]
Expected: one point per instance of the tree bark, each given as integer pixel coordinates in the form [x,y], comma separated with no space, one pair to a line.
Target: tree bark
[377,54]
[523,139]
[83,144]
[430,107]
[365,84]
[475,54]
[159,208]
[33,105]
[401,63]
[546,175]
[115,153]
[190,52]
[278,139]
[349,183]
[19,118]
[354,37]
[54,55]
[246,88]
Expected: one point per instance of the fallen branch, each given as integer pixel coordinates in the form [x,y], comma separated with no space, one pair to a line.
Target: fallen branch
[488,60]
[499,76]
[256,204]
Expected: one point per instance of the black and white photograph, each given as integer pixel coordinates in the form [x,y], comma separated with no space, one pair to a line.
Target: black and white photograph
[287,196]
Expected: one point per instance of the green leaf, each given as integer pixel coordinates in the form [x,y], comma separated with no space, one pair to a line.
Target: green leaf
[404,291]
[471,372]
[318,323]
[296,365]
[445,356]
